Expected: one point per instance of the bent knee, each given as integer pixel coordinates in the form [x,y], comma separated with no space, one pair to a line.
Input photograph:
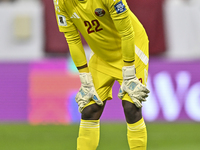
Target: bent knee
[132,113]
[92,112]
[130,107]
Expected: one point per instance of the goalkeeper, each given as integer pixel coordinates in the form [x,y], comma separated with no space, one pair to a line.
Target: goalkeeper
[120,53]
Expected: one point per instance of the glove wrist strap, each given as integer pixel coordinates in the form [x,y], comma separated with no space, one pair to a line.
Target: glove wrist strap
[128,72]
[86,78]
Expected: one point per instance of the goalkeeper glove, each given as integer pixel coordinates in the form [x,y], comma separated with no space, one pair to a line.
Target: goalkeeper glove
[131,85]
[87,92]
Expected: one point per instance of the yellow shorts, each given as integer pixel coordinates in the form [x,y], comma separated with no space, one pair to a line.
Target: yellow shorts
[103,83]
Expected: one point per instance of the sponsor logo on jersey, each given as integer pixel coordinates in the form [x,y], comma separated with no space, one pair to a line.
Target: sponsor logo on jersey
[120,7]
[75,16]
[62,20]
[100,12]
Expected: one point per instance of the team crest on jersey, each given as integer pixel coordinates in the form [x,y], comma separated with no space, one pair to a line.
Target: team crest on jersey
[120,7]
[100,12]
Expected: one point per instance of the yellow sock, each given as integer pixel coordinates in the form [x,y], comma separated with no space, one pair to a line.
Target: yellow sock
[88,135]
[137,135]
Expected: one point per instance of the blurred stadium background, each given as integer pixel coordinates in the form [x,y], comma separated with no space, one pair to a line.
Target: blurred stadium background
[38,80]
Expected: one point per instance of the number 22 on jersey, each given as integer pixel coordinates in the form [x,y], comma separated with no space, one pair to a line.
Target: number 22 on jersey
[93,26]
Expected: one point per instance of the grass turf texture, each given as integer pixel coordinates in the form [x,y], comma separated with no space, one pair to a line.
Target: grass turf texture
[161,136]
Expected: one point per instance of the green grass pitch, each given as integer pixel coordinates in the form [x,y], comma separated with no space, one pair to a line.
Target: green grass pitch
[161,136]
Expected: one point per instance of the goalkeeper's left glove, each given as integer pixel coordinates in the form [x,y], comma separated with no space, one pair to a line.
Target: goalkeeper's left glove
[131,85]
[87,92]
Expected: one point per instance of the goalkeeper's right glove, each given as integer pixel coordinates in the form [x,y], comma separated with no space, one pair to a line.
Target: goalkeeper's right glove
[87,92]
[131,85]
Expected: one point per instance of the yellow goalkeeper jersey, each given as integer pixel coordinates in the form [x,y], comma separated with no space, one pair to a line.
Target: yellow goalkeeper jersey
[109,27]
